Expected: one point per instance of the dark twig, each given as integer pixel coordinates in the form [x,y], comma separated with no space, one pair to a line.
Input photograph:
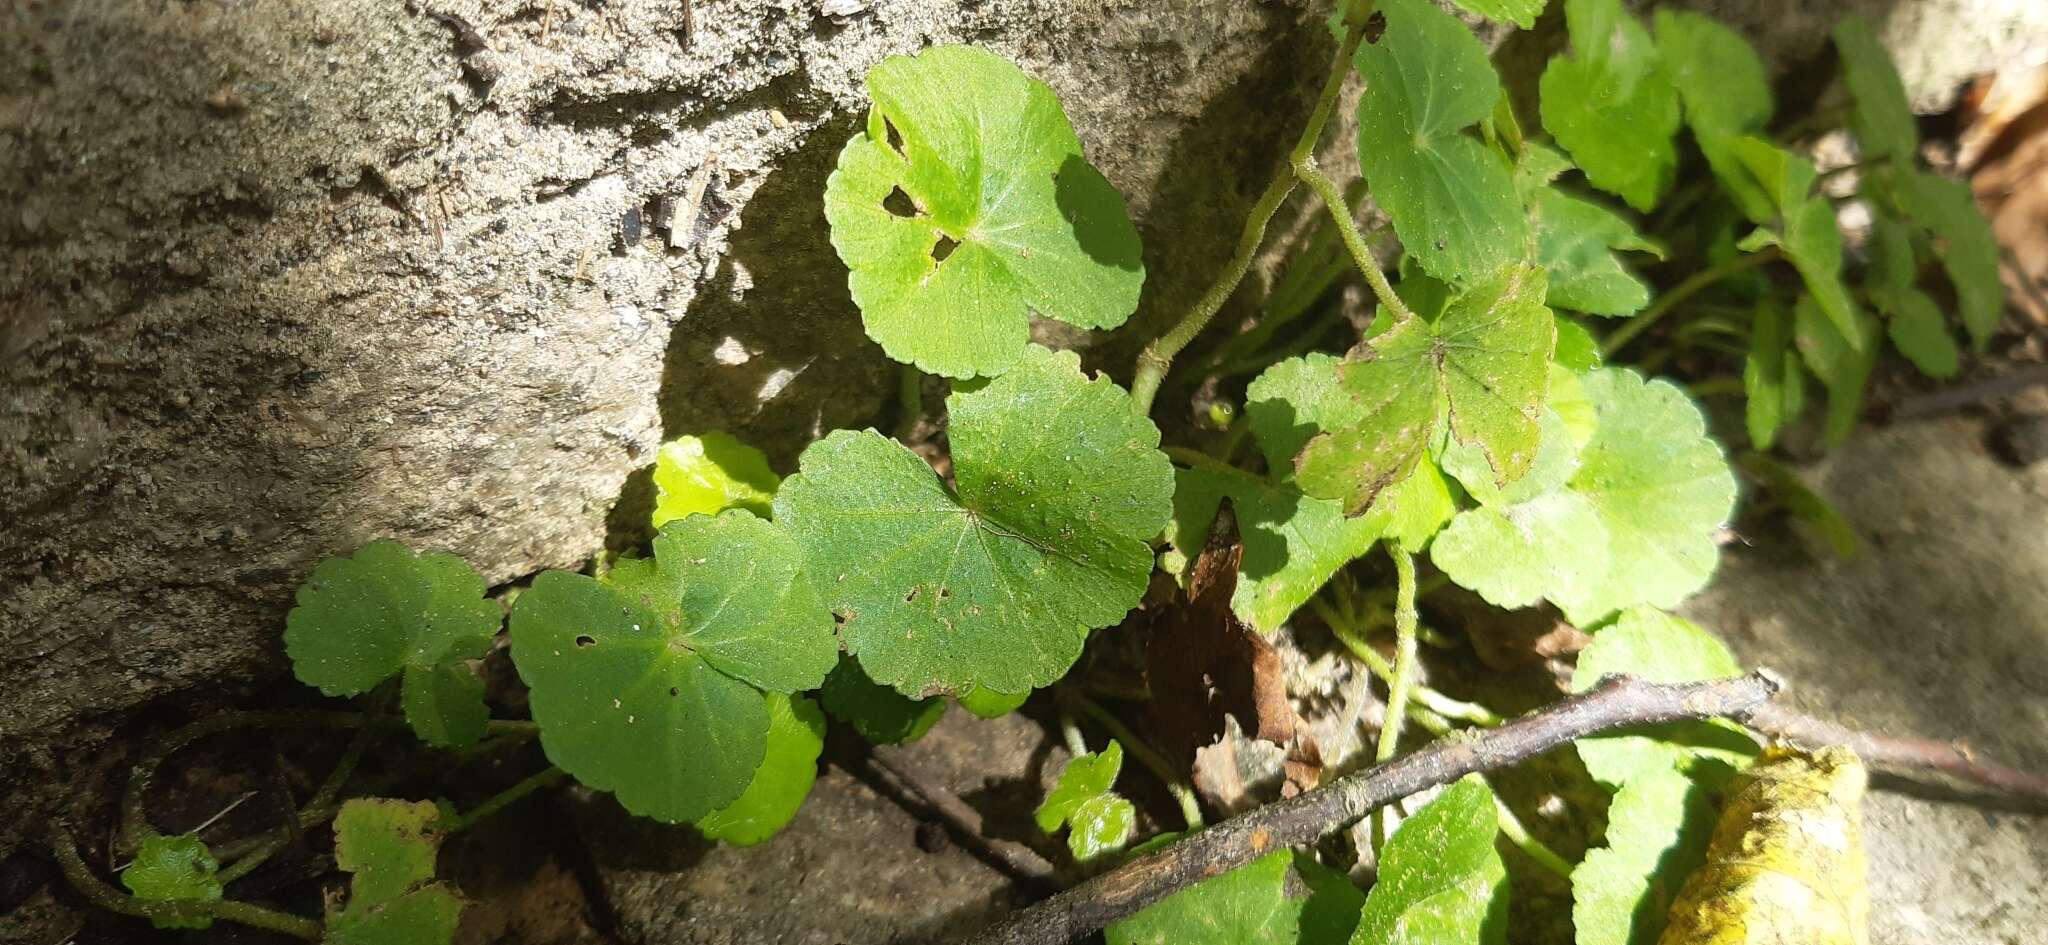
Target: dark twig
[1020,861]
[1963,396]
[1616,702]
[1951,759]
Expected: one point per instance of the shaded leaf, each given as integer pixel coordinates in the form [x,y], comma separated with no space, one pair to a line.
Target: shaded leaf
[990,704]
[1576,348]
[1479,369]
[1611,105]
[1773,384]
[1005,217]
[1451,198]
[879,713]
[1655,646]
[1576,242]
[1842,362]
[1882,118]
[1805,504]
[1726,93]
[995,583]
[1967,248]
[445,704]
[796,735]
[705,475]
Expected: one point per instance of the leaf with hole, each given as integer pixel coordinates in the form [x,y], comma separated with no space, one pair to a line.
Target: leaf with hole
[1882,117]
[1480,370]
[995,582]
[1611,104]
[180,870]
[648,683]
[1657,831]
[1441,881]
[967,206]
[705,475]
[1451,198]
[386,611]
[796,735]
[1576,240]
[880,714]
[389,848]
[1726,95]
[1652,645]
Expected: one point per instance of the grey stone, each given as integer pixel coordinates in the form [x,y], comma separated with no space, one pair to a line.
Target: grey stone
[1937,629]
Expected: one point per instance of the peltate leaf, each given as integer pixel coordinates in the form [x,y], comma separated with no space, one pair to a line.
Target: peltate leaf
[1441,881]
[389,847]
[177,869]
[1482,365]
[1246,906]
[1661,487]
[1576,241]
[1882,118]
[1657,831]
[645,684]
[1773,383]
[1451,198]
[966,206]
[1805,228]
[1726,93]
[1611,104]
[386,611]
[796,735]
[705,475]
[1658,647]
[880,714]
[1060,486]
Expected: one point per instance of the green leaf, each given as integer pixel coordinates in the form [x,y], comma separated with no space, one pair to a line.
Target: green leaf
[1773,384]
[445,705]
[1246,906]
[1557,457]
[389,847]
[1806,505]
[995,583]
[1292,543]
[1441,881]
[1657,832]
[1726,93]
[1660,648]
[990,704]
[1576,241]
[1567,398]
[1805,229]
[1661,487]
[880,714]
[1482,364]
[645,684]
[1552,546]
[1101,825]
[796,735]
[1920,333]
[386,611]
[1451,198]
[1085,777]
[1842,363]
[1576,348]
[1882,119]
[1611,104]
[705,475]
[1293,401]
[1539,165]
[1330,915]
[1522,13]
[175,869]
[999,215]
[1968,250]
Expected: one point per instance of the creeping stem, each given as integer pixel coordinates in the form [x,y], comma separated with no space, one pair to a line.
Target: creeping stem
[1680,292]
[100,894]
[1354,241]
[1404,652]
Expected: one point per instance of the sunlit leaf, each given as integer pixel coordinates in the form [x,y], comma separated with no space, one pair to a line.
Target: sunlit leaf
[1292,543]
[1246,906]
[1552,546]
[178,870]
[1657,831]
[966,206]
[705,475]
[796,735]
[996,582]
[1522,13]
[1611,104]
[1451,198]
[990,704]
[1084,777]
[1773,383]
[1576,348]
[1966,246]
[389,848]
[1842,362]
[1576,241]
[1655,646]
[1441,882]
[1805,228]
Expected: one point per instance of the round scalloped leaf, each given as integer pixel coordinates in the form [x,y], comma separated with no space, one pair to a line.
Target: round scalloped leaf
[1245,906]
[426,917]
[1576,241]
[1084,777]
[1452,199]
[1550,546]
[705,475]
[1522,13]
[175,869]
[796,735]
[1660,648]
[1292,543]
[389,847]
[637,680]
[445,704]
[1662,488]
[1060,487]
[1611,104]
[1101,825]
[880,714]
[1726,92]
[1657,830]
[365,618]
[966,206]
[1441,879]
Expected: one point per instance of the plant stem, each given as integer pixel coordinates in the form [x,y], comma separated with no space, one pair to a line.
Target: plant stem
[1404,652]
[1183,793]
[1428,702]
[323,799]
[1158,356]
[546,777]
[1511,827]
[1361,254]
[1680,292]
[99,893]
[909,401]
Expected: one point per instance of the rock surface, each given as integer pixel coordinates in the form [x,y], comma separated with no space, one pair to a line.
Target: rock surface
[1937,629]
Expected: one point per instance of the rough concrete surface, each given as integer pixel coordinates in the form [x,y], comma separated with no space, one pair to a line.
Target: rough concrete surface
[1937,629]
